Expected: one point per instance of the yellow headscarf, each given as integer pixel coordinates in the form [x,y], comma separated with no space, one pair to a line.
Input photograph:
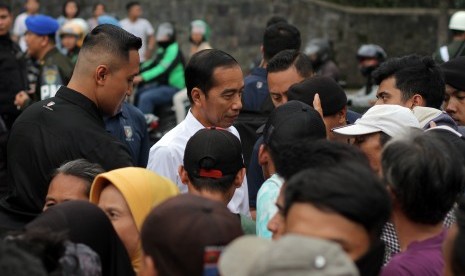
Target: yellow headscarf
[141,188]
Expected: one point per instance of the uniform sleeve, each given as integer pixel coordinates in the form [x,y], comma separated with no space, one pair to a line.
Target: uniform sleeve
[266,208]
[168,58]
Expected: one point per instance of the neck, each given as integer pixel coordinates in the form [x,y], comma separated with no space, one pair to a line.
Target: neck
[216,196]
[82,87]
[196,112]
[132,19]
[408,231]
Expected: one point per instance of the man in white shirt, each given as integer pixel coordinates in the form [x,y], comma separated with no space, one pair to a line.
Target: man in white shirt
[19,28]
[214,82]
[139,27]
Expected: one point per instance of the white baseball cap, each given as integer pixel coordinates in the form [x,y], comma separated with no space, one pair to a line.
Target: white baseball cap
[394,120]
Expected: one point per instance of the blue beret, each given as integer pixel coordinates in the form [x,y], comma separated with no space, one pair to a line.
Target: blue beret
[42,24]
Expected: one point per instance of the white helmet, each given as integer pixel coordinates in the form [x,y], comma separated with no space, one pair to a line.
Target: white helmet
[457,21]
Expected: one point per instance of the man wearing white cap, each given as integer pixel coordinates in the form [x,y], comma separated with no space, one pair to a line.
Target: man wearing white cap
[379,124]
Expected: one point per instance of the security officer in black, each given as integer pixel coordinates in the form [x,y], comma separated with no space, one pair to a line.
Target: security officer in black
[55,69]
[70,125]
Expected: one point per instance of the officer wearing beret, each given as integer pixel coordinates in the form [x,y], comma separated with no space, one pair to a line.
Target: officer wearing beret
[55,69]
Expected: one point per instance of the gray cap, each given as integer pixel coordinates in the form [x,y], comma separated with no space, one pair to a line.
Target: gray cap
[291,255]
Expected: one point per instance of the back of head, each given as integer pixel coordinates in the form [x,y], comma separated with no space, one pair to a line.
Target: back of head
[86,223]
[212,159]
[291,255]
[359,197]
[414,75]
[278,37]
[107,44]
[332,96]
[141,188]
[290,123]
[307,154]
[287,58]
[425,174]
[200,68]
[457,22]
[178,233]
[454,72]
[275,19]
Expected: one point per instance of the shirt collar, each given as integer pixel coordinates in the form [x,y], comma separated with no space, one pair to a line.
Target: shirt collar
[80,100]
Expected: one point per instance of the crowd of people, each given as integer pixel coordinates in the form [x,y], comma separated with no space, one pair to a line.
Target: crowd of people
[273,173]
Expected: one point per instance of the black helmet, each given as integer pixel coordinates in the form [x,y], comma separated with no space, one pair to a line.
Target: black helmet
[371,51]
[319,47]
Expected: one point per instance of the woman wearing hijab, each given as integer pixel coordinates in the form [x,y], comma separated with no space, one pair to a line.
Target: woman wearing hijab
[85,223]
[127,196]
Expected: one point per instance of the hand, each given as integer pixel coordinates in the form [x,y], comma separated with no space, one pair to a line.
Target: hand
[20,99]
[317,105]
[137,79]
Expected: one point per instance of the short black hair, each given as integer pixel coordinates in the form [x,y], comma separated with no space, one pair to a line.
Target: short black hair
[132,4]
[414,74]
[199,70]
[77,6]
[80,168]
[349,189]
[425,174]
[306,154]
[5,6]
[287,58]
[221,185]
[107,38]
[278,37]
[275,19]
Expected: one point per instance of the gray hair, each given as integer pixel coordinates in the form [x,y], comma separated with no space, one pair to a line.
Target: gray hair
[80,168]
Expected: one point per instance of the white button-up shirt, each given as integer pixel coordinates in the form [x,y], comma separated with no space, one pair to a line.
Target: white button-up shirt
[167,155]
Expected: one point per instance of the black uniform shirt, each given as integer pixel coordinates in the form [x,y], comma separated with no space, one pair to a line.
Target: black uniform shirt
[48,134]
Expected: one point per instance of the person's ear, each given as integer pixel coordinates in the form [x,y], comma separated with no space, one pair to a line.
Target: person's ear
[342,115]
[101,73]
[183,175]
[263,156]
[417,100]
[239,178]
[197,94]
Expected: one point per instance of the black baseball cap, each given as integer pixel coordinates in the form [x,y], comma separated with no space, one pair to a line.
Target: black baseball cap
[213,153]
[291,122]
[332,96]
[454,73]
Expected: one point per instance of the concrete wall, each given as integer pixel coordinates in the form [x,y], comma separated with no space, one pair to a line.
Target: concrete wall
[238,25]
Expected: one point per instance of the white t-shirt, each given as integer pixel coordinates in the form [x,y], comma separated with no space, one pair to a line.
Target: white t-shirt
[167,155]
[140,28]
[19,29]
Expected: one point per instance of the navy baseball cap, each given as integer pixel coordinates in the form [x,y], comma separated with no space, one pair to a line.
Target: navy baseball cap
[213,153]
[42,24]
[292,122]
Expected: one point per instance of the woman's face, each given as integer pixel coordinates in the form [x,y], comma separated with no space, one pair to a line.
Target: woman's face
[114,205]
[71,9]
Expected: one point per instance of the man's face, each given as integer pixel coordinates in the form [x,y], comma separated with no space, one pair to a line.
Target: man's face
[135,12]
[305,219]
[35,43]
[370,145]
[454,104]
[69,42]
[388,93]
[5,21]
[99,10]
[277,224]
[32,6]
[221,106]
[279,83]
[65,187]
[118,84]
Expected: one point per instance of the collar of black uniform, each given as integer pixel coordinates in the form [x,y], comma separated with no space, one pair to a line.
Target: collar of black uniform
[49,53]
[80,100]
